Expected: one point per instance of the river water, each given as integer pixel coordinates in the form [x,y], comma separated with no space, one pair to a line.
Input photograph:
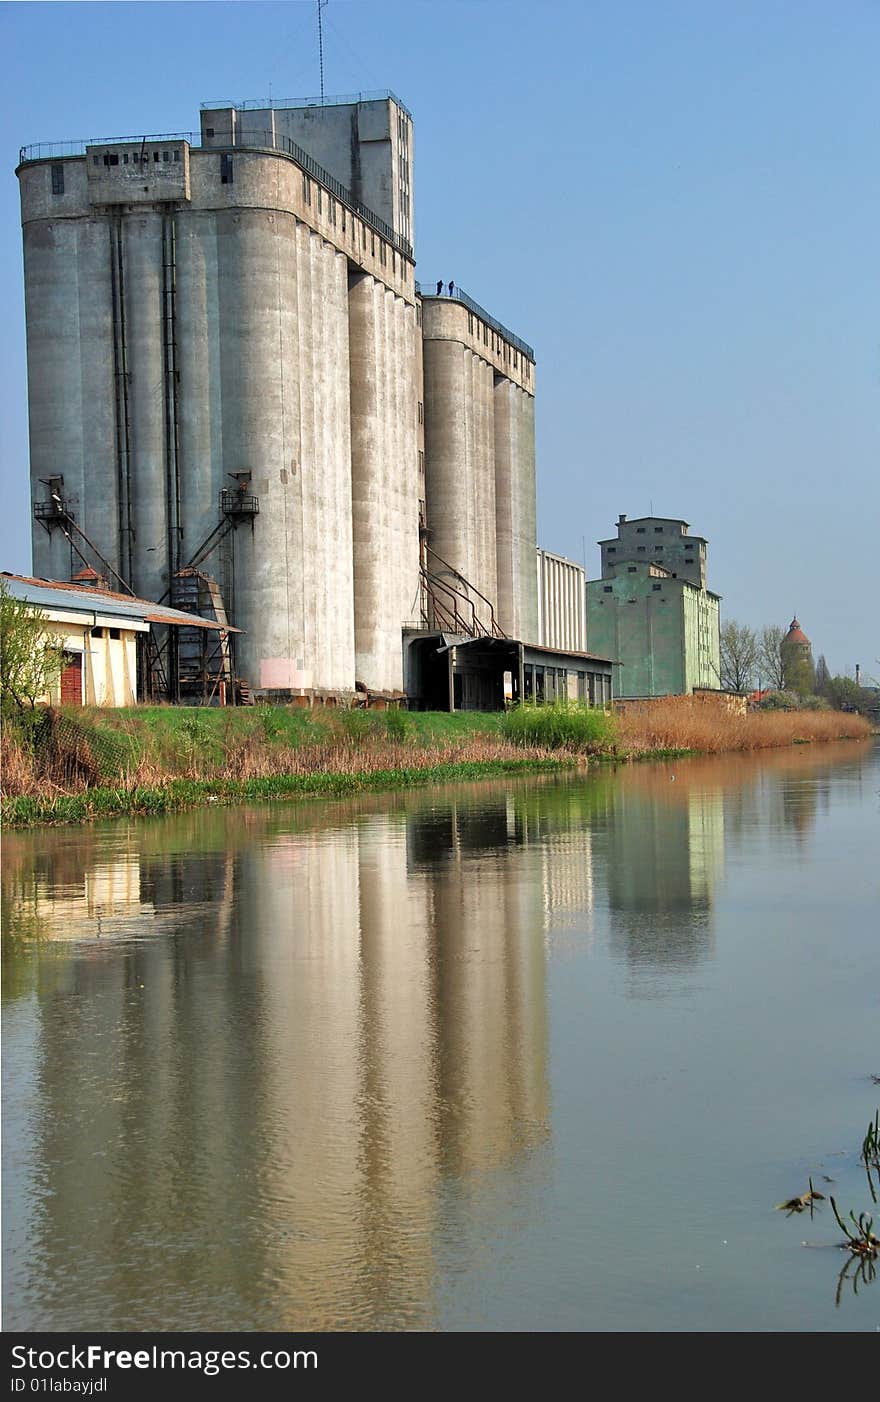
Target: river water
[535,1054]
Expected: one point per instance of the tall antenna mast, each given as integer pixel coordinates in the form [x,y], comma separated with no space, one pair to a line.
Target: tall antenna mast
[321,4]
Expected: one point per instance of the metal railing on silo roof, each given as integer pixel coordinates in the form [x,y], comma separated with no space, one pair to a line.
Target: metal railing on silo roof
[275,141]
[459,296]
[51,150]
[254,141]
[259,104]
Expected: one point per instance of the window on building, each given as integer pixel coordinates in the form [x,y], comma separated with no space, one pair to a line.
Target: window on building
[307,189]
[640,530]
[225,170]
[658,530]
[689,559]
[640,549]
[166,155]
[97,632]
[176,156]
[96,160]
[607,588]
[209,131]
[318,199]
[155,157]
[114,632]
[631,569]
[58,180]
[656,588]
[111,158]
[612,550]
[421,412]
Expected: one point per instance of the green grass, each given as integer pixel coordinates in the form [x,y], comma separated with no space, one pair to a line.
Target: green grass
[179,794]
[561,725]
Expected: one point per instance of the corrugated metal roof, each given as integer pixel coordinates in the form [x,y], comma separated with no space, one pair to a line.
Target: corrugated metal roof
[55,594]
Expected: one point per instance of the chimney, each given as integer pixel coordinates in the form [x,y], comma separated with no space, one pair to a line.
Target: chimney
[621,518]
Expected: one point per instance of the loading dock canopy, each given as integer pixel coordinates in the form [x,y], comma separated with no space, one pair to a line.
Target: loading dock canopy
[450,641]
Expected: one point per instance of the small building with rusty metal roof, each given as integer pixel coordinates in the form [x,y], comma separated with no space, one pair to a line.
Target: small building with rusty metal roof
[116,648]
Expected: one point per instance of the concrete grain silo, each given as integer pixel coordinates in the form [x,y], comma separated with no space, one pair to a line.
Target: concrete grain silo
[480,458]
[232,370]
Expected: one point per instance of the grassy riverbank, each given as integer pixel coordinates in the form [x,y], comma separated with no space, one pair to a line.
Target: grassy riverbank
[85,764]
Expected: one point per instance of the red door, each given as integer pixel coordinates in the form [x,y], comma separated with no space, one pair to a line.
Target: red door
[72,679]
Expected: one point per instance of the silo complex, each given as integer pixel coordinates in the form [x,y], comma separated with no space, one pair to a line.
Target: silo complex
[230,365]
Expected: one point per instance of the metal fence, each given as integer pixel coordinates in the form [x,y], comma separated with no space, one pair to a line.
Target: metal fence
[255,141]
[257,104]
[425,290]
[51,150]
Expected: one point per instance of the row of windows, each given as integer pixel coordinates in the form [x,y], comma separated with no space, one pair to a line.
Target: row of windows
[609,588]
[658,550]
[497,343]
[111,158]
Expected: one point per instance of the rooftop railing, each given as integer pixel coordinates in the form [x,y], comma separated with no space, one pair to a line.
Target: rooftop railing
[52,150]
[424,290]
[253,141]
[256,104]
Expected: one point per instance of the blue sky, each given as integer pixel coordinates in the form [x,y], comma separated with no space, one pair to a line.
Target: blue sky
[676,203]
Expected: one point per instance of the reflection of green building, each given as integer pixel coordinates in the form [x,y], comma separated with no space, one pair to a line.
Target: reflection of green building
[652,612]
[665,852]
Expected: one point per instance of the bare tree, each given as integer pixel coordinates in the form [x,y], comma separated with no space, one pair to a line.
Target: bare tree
[770,662]
[739,656]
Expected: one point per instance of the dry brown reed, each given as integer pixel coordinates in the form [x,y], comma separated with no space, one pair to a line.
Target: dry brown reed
[690,723]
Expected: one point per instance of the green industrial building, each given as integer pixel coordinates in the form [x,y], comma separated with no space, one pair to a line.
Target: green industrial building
[652,612]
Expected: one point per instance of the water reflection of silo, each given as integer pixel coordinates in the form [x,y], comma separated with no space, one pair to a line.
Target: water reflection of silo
[122,1136]
[247,1119]
[665,852]
[486,928]
[410,1045]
